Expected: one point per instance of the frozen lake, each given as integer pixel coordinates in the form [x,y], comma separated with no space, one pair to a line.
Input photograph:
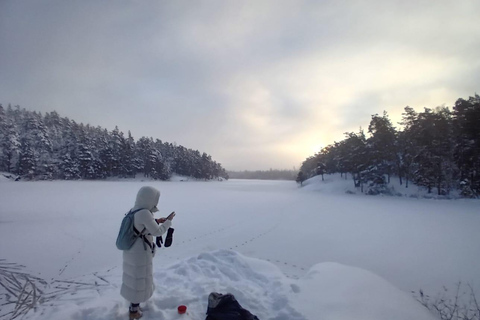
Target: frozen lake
[63,230]
[412,243]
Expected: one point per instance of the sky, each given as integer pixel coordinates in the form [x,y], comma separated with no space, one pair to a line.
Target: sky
[255,84]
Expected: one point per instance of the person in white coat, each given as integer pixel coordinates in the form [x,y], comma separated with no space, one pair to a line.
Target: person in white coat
[137,280]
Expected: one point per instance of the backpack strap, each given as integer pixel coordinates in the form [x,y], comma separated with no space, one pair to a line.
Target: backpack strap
[145,240]
[141,235]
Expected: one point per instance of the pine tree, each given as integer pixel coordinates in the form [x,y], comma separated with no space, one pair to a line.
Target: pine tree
[434,154]
[301,177]
[467,144]
[107,161]
[206,171]
[162,165]
[129,161]
[27,161]
[356,156]
[143,149]
[407,146]
[3,129]
[382,145]
[9,146]
[117,145]
[69,168]
[55,129]
[86,161]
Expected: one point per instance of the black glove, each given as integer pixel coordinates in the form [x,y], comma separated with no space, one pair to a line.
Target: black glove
[169,238]
[159,241]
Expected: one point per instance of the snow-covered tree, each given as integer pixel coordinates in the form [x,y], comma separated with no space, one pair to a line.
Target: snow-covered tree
[27,164]
[52,147]
[437,149]
[69,168]
[382,145]
[467,143]
[9,146]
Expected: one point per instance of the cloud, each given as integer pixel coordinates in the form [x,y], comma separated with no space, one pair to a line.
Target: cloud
[268,80]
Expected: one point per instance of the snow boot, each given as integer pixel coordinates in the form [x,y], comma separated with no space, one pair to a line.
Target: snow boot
[135,315]
[135,312]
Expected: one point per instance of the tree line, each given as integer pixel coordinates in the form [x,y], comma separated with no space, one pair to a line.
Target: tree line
[438,149]
[45,147]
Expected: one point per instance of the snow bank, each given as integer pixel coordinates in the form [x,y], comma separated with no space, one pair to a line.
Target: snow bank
[335,184]
[5,176]
[332,184]
[328,291]
[337,292]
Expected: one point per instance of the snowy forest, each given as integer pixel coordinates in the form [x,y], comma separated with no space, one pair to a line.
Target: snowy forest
[438,149]
[46,147]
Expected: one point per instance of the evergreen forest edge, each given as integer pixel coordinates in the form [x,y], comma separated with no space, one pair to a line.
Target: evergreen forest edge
[438,149]
[49,147]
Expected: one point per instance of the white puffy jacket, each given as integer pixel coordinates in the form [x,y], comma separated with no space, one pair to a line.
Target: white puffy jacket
[137,284]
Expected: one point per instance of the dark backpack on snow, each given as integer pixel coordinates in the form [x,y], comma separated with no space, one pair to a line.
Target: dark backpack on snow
[226,307]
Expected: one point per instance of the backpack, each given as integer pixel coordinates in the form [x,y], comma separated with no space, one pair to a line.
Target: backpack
[226,307]
[128,234]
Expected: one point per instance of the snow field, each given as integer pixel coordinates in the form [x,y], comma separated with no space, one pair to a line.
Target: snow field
[255,239]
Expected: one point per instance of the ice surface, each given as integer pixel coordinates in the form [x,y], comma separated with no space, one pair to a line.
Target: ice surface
[285,252]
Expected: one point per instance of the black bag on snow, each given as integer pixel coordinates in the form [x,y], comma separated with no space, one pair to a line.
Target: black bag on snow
[226,307]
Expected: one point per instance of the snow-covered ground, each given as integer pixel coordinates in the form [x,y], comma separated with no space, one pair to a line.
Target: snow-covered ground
[285,252]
